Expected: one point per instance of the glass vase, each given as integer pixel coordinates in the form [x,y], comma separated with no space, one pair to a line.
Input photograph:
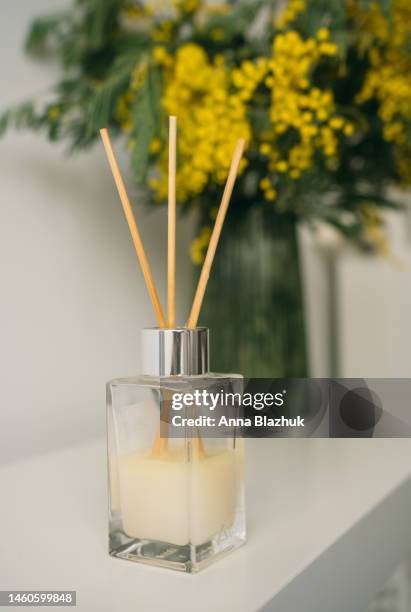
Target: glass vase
[254,300]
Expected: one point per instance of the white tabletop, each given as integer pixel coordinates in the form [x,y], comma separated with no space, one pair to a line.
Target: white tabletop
[327,521]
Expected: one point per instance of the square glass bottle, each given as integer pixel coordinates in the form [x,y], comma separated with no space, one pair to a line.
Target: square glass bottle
[173,502]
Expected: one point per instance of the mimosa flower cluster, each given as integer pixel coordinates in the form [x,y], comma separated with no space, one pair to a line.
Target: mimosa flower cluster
[320,91]
[211,119]
[214,102]
[389,78]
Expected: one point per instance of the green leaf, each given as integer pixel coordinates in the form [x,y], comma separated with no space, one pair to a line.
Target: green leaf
[22,116]
[385,5]
[100,20]
[146,120]
[4,122]
[46,32]
[322,13]
[373,198]
[103,102]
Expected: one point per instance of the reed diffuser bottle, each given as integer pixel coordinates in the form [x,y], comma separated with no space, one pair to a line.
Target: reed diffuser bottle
[177,502]
[174,502]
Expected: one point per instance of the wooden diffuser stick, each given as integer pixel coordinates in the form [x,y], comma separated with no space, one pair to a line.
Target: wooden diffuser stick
[161,443]
[135,234]
[171,249]
[208,262]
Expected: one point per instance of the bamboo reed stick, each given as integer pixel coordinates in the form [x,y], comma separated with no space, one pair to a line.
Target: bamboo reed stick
[161,443]
[135,234]
[208,262]
[171,259]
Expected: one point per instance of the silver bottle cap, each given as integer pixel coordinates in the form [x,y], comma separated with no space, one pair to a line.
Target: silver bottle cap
[172,352]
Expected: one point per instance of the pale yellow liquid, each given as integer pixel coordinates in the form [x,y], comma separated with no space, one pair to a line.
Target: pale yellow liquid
[172,500]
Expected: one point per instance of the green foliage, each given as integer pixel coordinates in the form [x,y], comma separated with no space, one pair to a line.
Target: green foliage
[46,33]
[20,117]
[146,121]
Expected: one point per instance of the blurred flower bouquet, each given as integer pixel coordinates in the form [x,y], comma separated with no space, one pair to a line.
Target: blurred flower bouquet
[320,90]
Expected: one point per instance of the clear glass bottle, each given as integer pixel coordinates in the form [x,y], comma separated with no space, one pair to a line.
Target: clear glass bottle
[173,502]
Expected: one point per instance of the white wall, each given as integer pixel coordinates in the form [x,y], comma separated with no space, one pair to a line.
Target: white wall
[375,308]
[72,295]
[371,325]
[316,303]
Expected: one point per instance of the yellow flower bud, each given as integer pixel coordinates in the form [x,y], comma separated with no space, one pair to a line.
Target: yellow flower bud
[323,34]
[348,129]
[270,194]
[336,123]
[282,166]
[265,148]
[265,184]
